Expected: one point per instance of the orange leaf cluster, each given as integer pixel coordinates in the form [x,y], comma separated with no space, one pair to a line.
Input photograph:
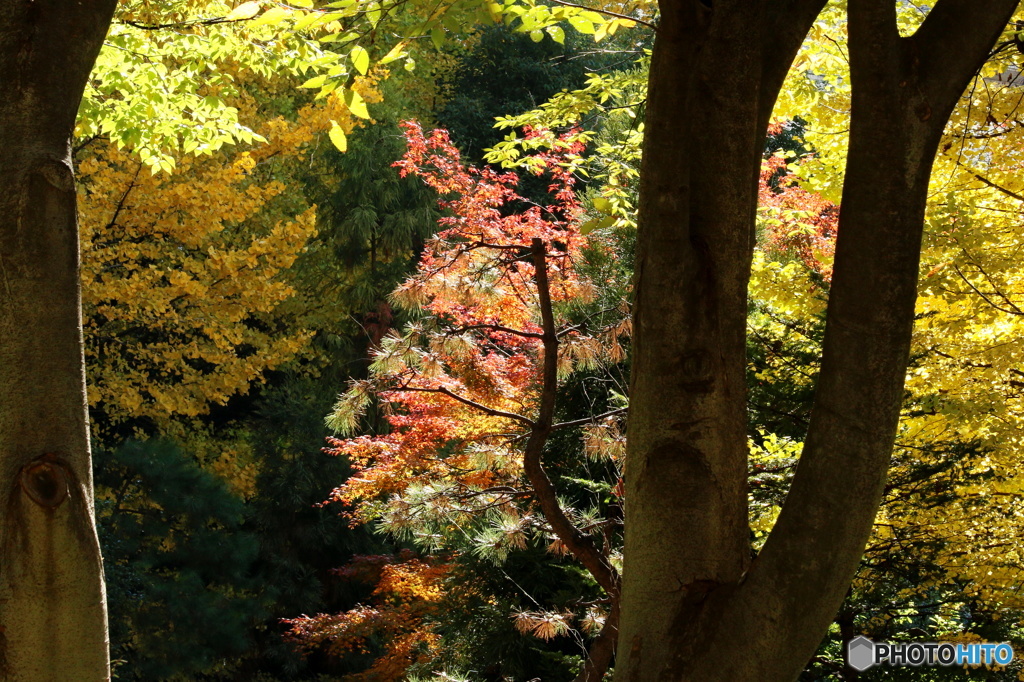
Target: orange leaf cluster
[461,386]
[798,223]
[458,385]
[407,590]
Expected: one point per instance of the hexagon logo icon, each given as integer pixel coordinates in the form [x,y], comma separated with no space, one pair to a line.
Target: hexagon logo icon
[860,653]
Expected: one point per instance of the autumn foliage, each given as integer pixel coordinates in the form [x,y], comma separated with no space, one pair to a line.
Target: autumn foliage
[461,388]
[798,223]
[406,592]
[480,341]
[193,269]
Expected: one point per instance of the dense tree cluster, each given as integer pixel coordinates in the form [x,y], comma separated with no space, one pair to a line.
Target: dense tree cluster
[378,340]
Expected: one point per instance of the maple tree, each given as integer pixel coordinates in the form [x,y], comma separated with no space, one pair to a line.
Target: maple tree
[502,296]
[697,210]
[406,591]
[154,67]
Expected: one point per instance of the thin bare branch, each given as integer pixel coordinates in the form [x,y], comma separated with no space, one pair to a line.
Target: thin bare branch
[606,12]
[593,419]
[466,401]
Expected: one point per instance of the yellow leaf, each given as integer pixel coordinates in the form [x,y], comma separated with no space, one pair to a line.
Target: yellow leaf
[247,10]
[396,53]
[360,59]
[273,16]
[355,104]
[315,82]
[337,136]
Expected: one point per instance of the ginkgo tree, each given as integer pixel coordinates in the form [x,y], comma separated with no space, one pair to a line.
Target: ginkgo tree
[685,599]
[163,73]
[195,263]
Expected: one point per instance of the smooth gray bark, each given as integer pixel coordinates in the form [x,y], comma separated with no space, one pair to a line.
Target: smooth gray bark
[52,604]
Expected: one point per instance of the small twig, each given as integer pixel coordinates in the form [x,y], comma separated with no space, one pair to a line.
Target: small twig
[496,328]
[1000,188]
[589,420]
[184,24]
[607,13]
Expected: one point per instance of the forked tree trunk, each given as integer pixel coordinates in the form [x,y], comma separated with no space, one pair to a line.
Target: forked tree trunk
[694,607]
[52,604]
[715,74]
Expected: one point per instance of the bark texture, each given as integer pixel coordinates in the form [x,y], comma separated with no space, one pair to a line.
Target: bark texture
[52,605]
[715,74]
[694,607]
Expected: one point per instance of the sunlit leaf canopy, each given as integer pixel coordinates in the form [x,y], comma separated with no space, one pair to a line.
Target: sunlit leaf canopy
[167,71]
[177,80]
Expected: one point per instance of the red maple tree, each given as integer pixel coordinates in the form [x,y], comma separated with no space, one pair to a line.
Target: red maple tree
[470,388]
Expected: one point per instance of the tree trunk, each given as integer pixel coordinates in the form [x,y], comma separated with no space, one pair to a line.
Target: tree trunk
[715,75]
[52,604]
[692,608]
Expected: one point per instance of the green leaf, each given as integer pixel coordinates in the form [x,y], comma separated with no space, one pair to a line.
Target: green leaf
[602,204]
[557,34]
[360,59]
[437,36]
[597,224]
[338,137]
[536,36]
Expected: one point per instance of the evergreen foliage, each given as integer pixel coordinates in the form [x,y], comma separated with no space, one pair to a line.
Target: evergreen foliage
[182,592]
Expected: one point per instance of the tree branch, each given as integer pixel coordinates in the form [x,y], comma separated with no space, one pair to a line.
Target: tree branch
[999,188]
[578,544]
[953,29]
[593,419]
[183,24]
[607,13]
[575,541]
[599,656]
[490,411]
[497,328]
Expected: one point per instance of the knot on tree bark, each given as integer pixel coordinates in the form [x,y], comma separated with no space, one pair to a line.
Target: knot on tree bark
[58,174]
[45,481]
